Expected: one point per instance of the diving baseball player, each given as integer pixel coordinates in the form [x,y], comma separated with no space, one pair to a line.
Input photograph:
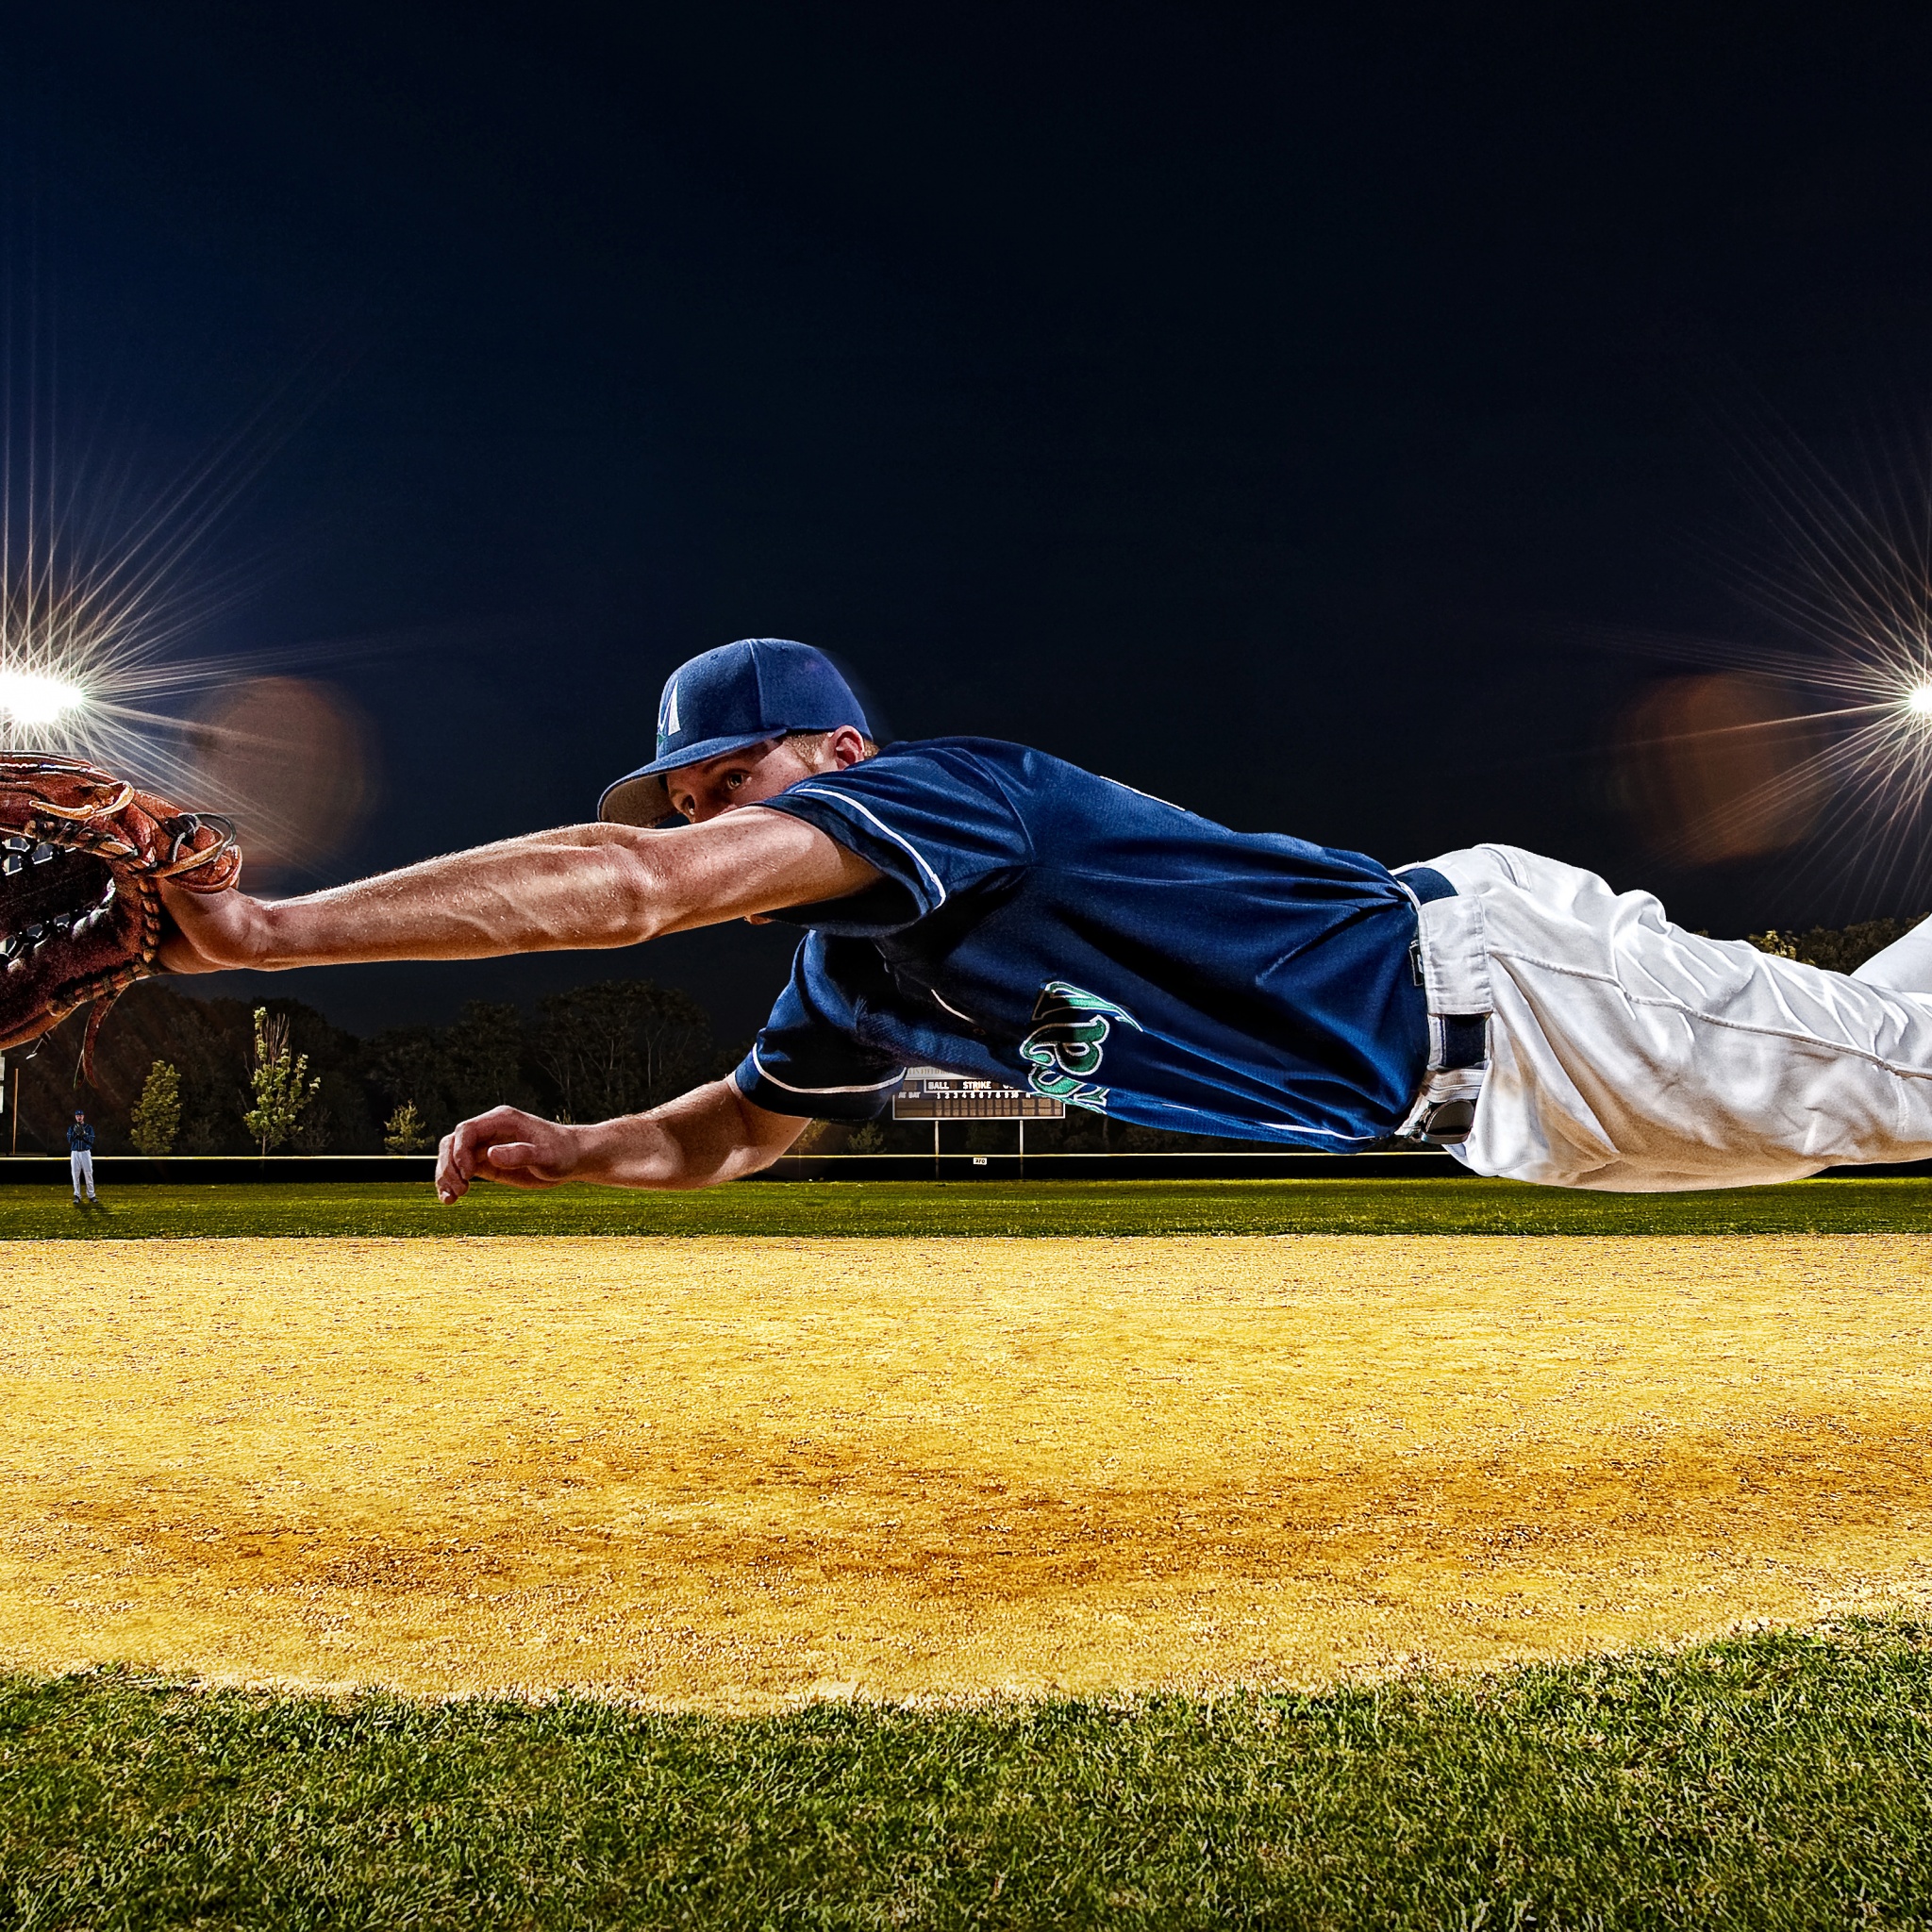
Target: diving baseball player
[981,905]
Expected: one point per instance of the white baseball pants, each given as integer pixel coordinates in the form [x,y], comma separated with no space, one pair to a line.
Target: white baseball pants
[1629,1054]
[82,1164]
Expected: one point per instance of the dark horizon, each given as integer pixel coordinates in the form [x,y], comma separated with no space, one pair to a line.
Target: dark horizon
[1284,420]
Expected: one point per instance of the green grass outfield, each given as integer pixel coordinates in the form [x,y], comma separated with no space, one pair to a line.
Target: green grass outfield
[1772,1781]
[794,1210]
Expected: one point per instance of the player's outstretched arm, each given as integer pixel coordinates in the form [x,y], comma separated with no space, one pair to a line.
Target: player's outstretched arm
[582,886]
[711,1134]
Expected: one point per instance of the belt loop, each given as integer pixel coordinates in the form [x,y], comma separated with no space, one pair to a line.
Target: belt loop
[1454,971]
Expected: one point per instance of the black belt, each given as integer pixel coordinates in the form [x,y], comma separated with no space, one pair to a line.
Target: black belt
[1463,1038]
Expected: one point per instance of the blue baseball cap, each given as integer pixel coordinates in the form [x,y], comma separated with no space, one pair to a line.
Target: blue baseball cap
[729,699]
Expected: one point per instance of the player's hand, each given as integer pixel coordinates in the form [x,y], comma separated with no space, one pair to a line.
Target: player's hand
[510,1145]
[210,932]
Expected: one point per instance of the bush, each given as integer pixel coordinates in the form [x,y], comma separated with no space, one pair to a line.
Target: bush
[404,1132]
[156,1116]
[280,1081]
[1835,949]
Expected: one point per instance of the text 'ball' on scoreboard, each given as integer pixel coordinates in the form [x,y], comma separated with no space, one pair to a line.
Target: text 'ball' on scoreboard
[931,1093]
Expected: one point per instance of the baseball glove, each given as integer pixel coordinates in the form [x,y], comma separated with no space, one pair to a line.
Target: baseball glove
[82,857]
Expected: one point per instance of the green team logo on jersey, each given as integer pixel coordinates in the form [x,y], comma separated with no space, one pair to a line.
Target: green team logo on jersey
[1068,1039]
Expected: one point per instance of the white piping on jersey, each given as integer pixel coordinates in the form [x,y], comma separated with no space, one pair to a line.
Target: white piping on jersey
[840,798]
[1150,797]
[952,1009]
[766,1074]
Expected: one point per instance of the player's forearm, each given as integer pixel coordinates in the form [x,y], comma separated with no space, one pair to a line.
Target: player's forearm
[703,1137]
[521,896]
[711,1134]
[580,888]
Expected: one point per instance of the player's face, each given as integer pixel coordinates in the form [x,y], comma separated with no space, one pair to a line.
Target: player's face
[702,791]
[699,793]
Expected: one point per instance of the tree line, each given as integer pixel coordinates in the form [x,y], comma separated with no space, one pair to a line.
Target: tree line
[223,1077]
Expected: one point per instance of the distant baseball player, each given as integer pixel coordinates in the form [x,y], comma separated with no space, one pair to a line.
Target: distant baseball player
[986,907]
[81,1154]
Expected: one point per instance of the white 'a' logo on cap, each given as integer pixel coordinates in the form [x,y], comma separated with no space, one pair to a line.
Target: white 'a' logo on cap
[671,724]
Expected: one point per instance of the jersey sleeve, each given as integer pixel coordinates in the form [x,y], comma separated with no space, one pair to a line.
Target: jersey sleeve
[934,819]
[807,1058]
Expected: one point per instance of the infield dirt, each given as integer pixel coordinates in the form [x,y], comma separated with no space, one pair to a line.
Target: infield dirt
[731,1473]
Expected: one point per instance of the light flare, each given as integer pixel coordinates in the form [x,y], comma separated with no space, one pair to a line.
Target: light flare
[32,698]
[111,614]
[1842,780]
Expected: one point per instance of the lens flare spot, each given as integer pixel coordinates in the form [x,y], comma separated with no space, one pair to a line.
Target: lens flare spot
[1918,700]
[32,697]
[1720,768]
[289,759]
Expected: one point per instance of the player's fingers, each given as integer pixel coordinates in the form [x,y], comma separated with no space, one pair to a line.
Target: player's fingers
[462,1153]
[514,1154]
[487,1129]
[451,1185]
[533,1143]
[521,1164]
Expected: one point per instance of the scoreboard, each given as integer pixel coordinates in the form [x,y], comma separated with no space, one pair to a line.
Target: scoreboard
[933,1093]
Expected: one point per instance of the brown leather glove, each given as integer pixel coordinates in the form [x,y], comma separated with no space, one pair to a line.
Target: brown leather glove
[82,855]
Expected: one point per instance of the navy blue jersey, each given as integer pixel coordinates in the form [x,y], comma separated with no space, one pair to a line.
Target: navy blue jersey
[1043,926]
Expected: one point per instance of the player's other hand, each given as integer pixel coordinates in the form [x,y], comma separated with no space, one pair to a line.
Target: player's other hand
[210,932]
[505,1144]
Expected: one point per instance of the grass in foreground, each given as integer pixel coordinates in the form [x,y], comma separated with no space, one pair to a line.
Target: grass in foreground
[971,1209]
[1765,1782]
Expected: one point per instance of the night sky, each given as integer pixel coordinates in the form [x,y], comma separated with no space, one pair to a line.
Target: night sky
[1277,417]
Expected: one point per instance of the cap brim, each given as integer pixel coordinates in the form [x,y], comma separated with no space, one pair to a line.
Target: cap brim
[640,798]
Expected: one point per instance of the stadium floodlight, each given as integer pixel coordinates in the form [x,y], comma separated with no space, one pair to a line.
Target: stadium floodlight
[35,698]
